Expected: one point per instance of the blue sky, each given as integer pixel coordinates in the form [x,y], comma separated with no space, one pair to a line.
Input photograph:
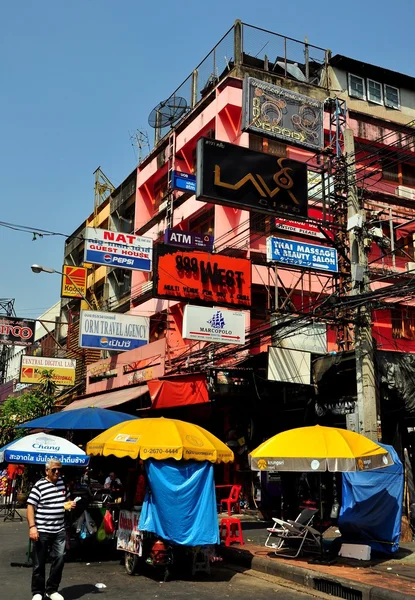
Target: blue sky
[78,77]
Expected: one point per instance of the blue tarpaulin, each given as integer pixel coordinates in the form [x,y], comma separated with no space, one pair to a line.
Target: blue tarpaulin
[371,508]
[180,505]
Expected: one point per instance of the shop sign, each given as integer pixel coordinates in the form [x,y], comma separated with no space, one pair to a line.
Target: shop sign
[279,113]
[20,332]
[249,180]
[62,369]
[300,254]
[185,182]
[128,536]
[73,282]
[213,325]
[303,229]
[140,376]
[187,239]
[203,277]
[115,249]
[112,331]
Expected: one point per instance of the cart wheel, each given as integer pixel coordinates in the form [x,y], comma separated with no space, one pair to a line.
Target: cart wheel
[131,563]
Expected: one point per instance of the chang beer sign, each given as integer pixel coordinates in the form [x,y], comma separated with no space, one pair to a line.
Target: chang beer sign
[112,331]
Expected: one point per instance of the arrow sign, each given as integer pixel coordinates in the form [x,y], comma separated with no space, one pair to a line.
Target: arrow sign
[214,325]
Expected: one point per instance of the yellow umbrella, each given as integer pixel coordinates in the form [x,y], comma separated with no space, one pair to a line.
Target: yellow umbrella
[160,438]
[319,449]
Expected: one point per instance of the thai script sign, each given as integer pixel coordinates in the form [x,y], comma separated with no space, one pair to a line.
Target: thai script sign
[112,331]
[300,254]
[114,249]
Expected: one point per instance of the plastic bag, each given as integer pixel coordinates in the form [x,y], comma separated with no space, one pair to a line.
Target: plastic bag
[108,523]
[79,522]
[101,535]
[90,523]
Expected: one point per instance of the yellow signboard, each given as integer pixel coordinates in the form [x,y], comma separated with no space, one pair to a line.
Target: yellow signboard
[73,282]
[32,367]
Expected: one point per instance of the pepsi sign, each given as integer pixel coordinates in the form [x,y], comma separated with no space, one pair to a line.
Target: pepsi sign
[116,249]
[112,331]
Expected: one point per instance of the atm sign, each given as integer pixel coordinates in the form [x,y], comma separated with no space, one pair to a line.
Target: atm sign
[73,282]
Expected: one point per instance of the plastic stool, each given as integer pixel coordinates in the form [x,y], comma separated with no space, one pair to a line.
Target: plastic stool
[232,530]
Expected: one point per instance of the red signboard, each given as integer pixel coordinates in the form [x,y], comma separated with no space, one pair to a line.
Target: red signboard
[202,277]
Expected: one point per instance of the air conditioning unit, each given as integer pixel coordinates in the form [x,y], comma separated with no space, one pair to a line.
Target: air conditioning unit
[410,266]
[405,192]
[376,232]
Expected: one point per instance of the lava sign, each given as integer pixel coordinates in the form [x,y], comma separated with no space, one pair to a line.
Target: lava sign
[115,249]
[112,331]
[213,325]
[299,254]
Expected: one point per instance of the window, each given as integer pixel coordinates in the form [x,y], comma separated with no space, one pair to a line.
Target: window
[374,92]
[403,323]
[390,167]
[357,87]
[408,175]
[391,96]
[404,247]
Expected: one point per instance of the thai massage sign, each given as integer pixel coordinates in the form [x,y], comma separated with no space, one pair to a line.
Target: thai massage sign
[201,276]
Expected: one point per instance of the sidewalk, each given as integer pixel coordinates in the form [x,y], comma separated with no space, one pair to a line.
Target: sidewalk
[377,579]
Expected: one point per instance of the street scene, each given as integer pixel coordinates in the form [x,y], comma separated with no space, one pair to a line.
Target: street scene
[207,347]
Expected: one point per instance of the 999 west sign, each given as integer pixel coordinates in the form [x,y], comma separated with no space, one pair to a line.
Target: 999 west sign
[202,277]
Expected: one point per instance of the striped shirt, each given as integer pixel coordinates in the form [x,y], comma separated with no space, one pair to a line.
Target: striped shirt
[48,500]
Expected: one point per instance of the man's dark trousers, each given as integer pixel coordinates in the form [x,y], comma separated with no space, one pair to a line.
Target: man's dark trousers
[55,542]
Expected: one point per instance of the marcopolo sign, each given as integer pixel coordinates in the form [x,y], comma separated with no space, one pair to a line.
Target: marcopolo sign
[213,325]
[20,332]
[112,331]
[62,369]
[279,113]
[250,180]
[300,254]
[187,239]
[115,249]
[73,282]
[202,277]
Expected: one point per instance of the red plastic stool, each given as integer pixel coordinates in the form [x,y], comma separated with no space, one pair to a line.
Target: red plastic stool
[232,530]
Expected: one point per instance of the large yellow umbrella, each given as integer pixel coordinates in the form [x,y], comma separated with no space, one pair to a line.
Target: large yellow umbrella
[160,438]
[319,449]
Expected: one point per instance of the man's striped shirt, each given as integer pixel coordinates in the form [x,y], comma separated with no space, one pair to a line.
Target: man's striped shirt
[48,500]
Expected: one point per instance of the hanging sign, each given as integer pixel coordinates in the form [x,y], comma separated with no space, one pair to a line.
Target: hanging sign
[20,332]
[185,182]
[112,331]
[73,282]
[299,254]
[202,277]
[213,325]
[115,249]
[62,369]
[187,239]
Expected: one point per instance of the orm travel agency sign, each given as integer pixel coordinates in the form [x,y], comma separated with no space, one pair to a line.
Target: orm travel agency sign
[299,254]
[115,249]
[112,331]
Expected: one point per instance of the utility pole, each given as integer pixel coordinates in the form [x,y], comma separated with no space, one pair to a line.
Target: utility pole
[365,418]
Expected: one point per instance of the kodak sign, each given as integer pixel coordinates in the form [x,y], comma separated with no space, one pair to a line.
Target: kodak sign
[73,282]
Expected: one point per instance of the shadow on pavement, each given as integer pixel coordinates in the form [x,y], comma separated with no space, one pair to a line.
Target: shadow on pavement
[73,592]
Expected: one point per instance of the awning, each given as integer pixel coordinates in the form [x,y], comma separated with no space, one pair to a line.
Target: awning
[180,391]
[109,399]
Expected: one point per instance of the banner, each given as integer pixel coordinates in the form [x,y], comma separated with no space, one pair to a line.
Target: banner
[115,249]
[73,282]
[62,369]
[249,180]
[128,536]
[279,113]
[202,277]
[301,254]
[20,332]
[213,325]
[112,331]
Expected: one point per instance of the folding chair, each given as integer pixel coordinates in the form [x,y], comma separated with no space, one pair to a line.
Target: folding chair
[297,534]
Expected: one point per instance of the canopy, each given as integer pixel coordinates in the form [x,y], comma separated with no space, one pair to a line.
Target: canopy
[81,418]
[38,448]
[319,449]
[160,438]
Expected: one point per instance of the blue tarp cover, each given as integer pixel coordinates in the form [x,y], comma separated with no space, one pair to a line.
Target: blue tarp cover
[371,508]
[181,504]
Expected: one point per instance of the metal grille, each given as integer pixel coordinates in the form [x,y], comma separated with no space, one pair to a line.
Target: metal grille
[336,589]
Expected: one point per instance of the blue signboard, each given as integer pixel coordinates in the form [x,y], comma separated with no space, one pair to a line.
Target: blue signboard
[116,249]
[112,331]
[184,182]
[310,256]
[187,239]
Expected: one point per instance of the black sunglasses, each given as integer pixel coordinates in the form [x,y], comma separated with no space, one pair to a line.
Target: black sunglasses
[56,470]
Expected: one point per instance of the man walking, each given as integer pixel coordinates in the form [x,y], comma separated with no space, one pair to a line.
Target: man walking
[46,519]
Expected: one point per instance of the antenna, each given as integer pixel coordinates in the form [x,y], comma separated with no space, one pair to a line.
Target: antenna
[166,113]
[139,140]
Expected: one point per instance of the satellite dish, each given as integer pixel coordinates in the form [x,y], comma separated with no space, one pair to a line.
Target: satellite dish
[167,112]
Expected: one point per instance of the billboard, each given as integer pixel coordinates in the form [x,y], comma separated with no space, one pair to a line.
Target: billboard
[20,332]
[112,331]
[73,282]
[213,325]
[63,369]
[202,277]
[250,180]
[187,239]
[303,228]
[115,249]
[279,113]
[301,254]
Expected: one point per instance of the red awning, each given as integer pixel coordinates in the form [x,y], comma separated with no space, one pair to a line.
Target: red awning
[180,391]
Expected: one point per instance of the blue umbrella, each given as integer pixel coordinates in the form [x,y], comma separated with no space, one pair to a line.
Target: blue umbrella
[79,418]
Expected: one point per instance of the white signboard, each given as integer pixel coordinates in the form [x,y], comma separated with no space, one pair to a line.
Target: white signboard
[213,325]
[310,338]
[129,538]
[112,331]
[115,249]
[290,366]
